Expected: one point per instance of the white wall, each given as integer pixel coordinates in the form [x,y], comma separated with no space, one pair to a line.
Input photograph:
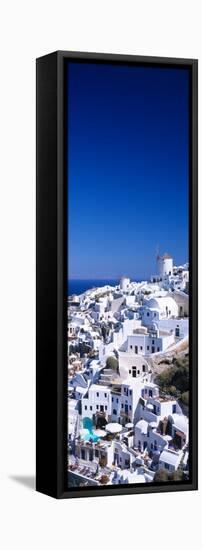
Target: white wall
[171,324]
[146,343]
[97,396]
[30,29]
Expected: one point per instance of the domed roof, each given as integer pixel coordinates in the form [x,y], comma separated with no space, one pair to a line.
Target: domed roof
[160,302]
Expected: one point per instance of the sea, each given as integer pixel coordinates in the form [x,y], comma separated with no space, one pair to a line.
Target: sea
[78,286]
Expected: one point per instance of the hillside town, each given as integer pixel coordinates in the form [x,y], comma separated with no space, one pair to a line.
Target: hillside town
[127,413]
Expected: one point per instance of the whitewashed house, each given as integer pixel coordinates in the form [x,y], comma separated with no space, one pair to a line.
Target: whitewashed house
[148,342]
[124,403]
[132,366]
[153,407]
[147,438]
[180,429]
[97,400]
[163,306]
[170,460]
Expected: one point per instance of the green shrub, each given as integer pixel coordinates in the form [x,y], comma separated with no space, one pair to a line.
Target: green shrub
[161,475]
[112,363]
[185,398]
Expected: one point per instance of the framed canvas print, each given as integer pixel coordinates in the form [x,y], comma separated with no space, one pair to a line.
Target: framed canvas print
[116,274]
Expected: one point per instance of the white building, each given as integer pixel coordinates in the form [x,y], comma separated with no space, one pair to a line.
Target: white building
[105,453]
[147,438]
[97,400]
[153,407]
[124,403]
[80,319]
[71,329]
[182,301]
[117,403]
[180,429]
[73,419]
[125,284]
[170,460]
[162,307]
[165,265]
[146,343]
[131,366]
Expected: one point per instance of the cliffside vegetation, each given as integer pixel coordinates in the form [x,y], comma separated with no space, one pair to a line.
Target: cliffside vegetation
[164,475]
[175,380]
[112,363]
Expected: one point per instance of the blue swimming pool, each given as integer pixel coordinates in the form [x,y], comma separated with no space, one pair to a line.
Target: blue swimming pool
[90,436]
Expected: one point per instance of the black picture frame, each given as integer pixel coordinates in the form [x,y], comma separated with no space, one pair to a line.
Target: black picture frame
[51,274]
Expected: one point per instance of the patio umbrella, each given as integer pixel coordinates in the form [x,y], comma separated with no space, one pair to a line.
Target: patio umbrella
[113,427]
[129,425]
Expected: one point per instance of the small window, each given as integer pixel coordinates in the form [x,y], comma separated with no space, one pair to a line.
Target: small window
[141,347]
[147,313]
[114,411]
[147,348]
[86,407]
[105,407]
[158,349]
[130,371]
[131,347]
[143,368]
[91,408]
[97,407]
[117,400]
[105,395]
[152,342]
[130,407]
[97,394]
[112,399]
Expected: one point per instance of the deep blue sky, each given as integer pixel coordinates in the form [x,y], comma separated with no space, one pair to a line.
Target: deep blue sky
[127,169]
